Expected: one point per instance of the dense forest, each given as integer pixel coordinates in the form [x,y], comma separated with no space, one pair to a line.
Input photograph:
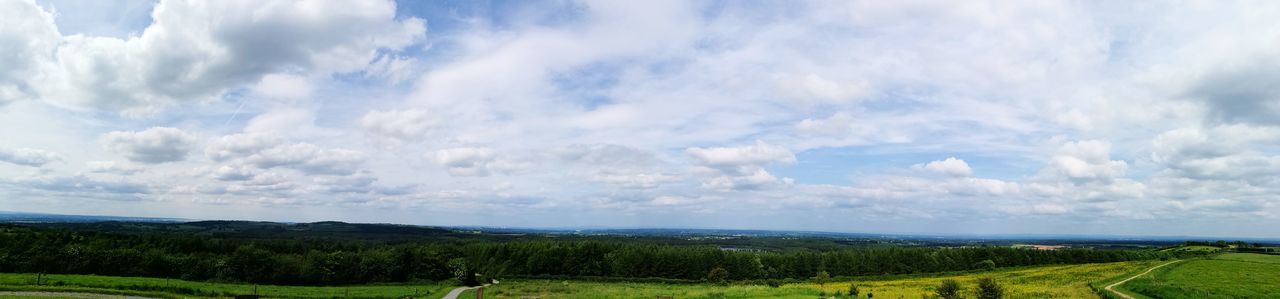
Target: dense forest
[276,258]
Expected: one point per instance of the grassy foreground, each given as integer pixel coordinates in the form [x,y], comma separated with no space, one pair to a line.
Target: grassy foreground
[172,288]
[1229,275]
[1056,281]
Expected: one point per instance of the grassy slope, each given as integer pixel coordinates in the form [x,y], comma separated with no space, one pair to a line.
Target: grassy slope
[1195,249]
[1231,275]
[160,287]
[1058,281]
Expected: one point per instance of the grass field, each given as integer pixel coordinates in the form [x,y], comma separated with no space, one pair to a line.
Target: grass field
[1060,281]
[1229,275]
[171,288]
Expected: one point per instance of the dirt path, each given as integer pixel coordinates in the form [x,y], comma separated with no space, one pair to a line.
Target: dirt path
[69,295]
[458,291]
[1122,295]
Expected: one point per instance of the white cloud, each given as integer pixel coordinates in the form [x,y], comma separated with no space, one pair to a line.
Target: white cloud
[234,173]
[733,159]
[286,121]
[951,166]
[27,37]
[267,150]
[309,158]
[1036,209]
[150,146]
[633,180]
[741,168]
[474,161]
[77,187]
[28,156]
[838,124]
[403,125]
[284,87]
[1220,152]
[393,69]
[814,88]
[197,50]
[239,145]
[1086,161]
[758,179]
[112,167]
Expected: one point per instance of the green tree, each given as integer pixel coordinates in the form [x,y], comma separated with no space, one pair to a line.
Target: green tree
[949,289]
[989,289]
[853,290]
[463,271]
[822,277]
[718,275]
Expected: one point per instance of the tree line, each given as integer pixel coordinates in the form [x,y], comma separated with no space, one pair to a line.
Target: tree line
[307,261]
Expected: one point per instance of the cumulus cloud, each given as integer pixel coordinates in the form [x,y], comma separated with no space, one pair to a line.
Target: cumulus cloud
[234,173]
[736,159]
[27,37]
[112,167]
[195,50]
[309,158]
[268,150]
[741,168]
[1087,160]
[951,166]
[474,161]
[1219,152]
[28,156]
[283,87]
[150,146]
[633,180]
[77,186]
[239,145]
[404,125]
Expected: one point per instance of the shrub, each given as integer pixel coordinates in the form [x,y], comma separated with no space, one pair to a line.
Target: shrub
[949,289]
[822,277]
[986,265]
[989,289]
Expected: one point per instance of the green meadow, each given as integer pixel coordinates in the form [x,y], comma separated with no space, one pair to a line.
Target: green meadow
[1229,275]
[1055,281]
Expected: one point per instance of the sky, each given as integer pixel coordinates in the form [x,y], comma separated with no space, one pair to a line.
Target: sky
[950,117]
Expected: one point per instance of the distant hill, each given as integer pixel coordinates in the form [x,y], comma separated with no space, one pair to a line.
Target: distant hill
[50,218]
[225,228]
[259,230]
